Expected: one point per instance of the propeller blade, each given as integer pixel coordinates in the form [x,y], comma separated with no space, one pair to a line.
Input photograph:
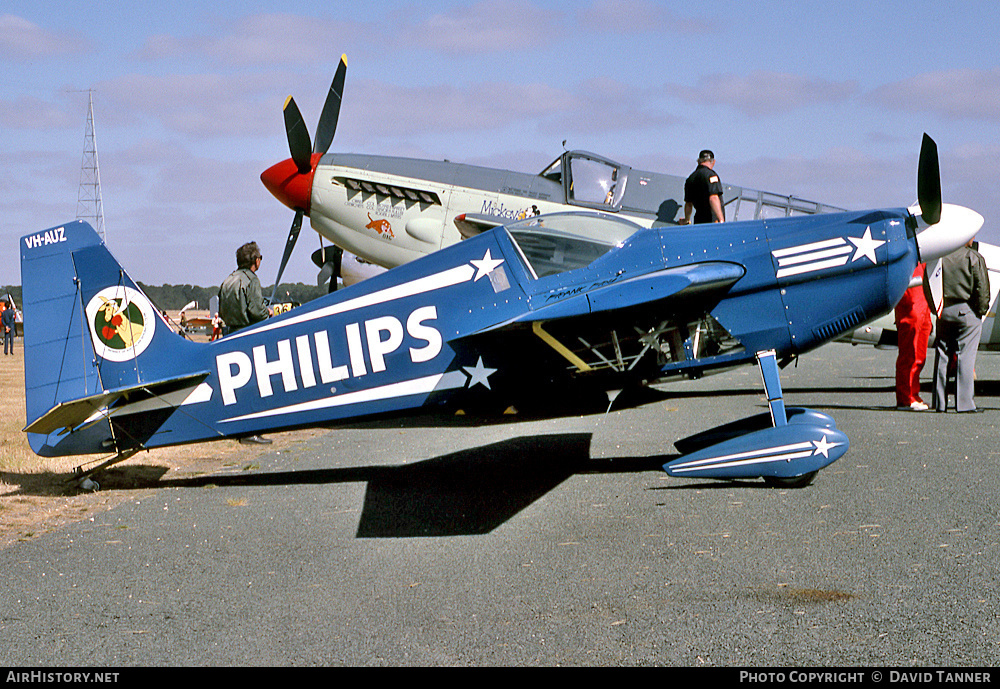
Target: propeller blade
[325,274]
[293,236]
[929,182]
[298,136]
[328,260]
[327,126]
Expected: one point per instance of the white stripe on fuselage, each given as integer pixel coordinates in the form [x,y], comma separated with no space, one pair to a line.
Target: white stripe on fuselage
[829,253]
[428,283]
[418,386]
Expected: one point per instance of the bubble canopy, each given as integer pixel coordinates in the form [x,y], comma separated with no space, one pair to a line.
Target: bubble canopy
[562,242]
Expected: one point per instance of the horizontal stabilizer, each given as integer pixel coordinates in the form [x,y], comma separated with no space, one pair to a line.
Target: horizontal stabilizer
[66,416]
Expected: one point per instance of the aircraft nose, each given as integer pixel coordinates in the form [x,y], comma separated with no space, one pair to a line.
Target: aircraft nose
[955,228]
[288,185]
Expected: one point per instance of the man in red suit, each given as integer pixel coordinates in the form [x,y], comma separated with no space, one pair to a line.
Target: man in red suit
[913,326]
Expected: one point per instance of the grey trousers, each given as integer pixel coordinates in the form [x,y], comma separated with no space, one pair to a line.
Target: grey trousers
[958,332]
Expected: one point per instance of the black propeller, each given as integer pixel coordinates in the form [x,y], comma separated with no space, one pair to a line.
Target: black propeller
[302,151]
[298,136]
[929,182]
[941,228]
[327,126]
[328,260]
[293,236]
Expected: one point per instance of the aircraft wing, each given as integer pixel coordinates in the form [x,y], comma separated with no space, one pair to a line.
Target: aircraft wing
[620,326]
[684,289]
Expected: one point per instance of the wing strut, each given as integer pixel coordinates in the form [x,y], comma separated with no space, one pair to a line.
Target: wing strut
[563,350]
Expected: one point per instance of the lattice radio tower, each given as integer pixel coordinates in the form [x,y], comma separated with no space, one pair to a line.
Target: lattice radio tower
[89,205]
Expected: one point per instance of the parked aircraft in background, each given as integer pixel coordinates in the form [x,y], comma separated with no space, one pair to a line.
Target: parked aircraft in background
[387,211]
[546,308]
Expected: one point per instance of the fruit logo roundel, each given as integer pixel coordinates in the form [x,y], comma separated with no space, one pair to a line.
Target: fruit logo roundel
[122,322]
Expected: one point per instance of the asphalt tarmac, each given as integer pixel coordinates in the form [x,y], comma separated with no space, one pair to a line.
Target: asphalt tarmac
[555,542]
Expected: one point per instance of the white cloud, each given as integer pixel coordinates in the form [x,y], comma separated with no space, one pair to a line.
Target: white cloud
[595,106]
[393,110]
[605,105]
[23,41]
[641,16]
[194,104]
[765,93]
[287,39]
[953,94]
[261,40]
[30,113]
[487,26]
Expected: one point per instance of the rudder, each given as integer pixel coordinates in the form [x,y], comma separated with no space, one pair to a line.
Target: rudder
[88,329]
[55,349]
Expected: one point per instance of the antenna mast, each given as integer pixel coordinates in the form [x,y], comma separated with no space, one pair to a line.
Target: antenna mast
[89,205]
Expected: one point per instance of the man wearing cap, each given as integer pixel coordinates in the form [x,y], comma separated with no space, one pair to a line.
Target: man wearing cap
[703,193]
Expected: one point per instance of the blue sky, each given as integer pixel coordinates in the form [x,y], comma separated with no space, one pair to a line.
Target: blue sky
[823,100]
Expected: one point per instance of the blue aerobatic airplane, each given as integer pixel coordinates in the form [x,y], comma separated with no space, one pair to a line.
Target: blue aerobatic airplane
[556,305]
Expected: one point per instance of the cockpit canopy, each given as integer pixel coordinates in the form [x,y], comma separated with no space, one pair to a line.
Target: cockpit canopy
[589,179]
[561,242]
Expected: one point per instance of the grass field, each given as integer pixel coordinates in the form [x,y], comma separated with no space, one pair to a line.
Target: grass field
[14,452]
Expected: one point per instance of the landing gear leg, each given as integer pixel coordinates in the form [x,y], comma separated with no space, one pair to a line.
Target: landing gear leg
[82,476]
[768,363]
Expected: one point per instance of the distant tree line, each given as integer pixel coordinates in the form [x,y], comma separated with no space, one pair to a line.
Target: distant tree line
[14,291]
[175,297]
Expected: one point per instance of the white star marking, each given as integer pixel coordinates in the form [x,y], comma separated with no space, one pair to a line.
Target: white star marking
[866,246]
[486,265]
[823,447]
[479,373]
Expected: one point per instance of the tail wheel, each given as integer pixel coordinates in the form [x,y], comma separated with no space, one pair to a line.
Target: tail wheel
[790,482]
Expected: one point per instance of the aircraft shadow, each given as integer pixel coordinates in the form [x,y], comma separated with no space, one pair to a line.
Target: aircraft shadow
[469,492]
[587,406]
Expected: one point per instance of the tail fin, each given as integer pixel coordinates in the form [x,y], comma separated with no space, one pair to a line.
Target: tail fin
[89,330]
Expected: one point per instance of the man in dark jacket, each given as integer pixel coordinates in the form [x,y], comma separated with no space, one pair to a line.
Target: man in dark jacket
[966,301]
[8,324]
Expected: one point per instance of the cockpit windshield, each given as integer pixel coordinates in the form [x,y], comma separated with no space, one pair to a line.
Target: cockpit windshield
[560,242]
[594,182]
[589,179]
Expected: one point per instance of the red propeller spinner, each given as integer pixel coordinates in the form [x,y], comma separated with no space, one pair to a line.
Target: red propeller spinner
[288,185]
